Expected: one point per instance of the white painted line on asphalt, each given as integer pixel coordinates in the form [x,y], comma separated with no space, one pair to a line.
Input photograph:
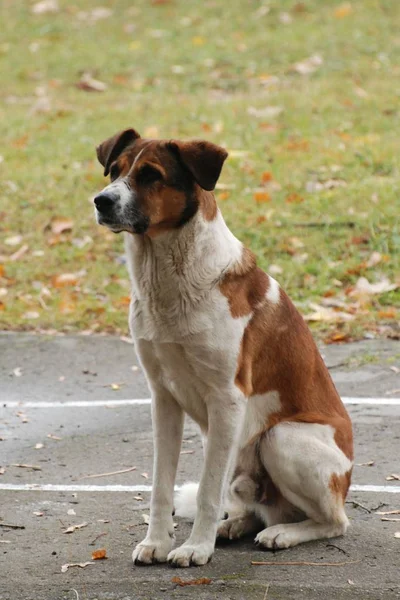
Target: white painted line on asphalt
[49,487]
[77,403]
[379,401]
[142,401]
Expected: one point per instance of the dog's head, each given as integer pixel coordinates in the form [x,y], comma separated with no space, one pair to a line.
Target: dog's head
[156,185]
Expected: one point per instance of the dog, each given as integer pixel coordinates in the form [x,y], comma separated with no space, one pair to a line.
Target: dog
[220,340]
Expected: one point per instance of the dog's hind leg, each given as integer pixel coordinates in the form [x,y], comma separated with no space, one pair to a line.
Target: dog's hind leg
[313,474]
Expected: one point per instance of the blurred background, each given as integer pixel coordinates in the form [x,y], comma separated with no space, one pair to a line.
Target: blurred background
[304,95]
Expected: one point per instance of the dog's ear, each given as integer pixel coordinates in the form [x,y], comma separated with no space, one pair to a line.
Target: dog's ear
[203,159]
[111,148]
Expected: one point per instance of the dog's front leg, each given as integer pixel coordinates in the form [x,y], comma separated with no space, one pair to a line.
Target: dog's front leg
[167,417]
[224,427]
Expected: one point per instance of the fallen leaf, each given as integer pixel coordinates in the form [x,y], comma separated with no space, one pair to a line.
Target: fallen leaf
[39,446]
[88,83]
[2,470]
[20,142]
[397,534]
[115,386]
[138,498]
[145,475]
[71,512]
[395,369]
[350,581]
[5,541]
[63,280]
[344,10]
[58,225]
[13,240]
[17,372]
[309,65]
[388,512]
[267,112]
[389,519]
[65,567]
[23,466]
[323,313]
[389,313]
[200,581]
[261,197]
[51,436]
[72,528]
[393,477]
[146,518]
[294,198]
[19,253]
[374,259]
[370,463]
[109,474]
[364,288]
[37,513]
[99,554]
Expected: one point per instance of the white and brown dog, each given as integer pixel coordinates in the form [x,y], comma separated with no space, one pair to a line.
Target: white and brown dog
[219,340]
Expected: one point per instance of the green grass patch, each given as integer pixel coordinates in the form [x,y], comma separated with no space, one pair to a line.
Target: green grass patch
[319,151]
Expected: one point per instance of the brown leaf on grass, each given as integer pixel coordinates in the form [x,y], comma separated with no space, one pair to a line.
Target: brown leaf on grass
[344,10]
[308,65]
[13,240]
[322,313]
[65,567]
[87,83]
[388,313]
[364,288]
[59,225]
[72,528]
[200,581]
[19,253]
[99,554]
[301,145]
[20,142]
[262,197]
[64,279]
[294,198]
[338,337]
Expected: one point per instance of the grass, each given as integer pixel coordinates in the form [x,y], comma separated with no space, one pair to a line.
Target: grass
[192,69]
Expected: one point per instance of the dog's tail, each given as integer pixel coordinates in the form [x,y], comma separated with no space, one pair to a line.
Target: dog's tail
[185,501]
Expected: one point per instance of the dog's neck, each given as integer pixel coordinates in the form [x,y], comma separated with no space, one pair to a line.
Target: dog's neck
[191,258]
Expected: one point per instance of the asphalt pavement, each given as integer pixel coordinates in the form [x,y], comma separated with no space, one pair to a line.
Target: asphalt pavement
[68,424]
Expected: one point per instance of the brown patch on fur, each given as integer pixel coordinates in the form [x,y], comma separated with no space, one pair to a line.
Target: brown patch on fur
[208,204]
[339,484]
[245,285]
[278,353]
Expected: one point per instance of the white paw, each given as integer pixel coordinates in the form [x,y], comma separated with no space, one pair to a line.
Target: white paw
[149,552]
[233,529]
[190,554]
[277,536]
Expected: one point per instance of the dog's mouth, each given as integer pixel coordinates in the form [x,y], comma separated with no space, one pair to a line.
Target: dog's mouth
[139,227]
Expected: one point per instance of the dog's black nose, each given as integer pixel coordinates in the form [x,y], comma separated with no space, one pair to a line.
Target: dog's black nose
[104,202]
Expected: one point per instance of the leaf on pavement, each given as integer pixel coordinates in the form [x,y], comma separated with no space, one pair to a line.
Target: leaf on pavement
[72,528]
[200,581]
[99,554]
[65,567]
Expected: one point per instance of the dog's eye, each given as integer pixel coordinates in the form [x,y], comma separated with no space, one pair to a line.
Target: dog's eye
[148,174]
[114,172]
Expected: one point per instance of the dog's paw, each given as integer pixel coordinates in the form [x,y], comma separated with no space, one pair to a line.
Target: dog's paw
[277,537]
[149,552]
[233,529]
[189,555]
